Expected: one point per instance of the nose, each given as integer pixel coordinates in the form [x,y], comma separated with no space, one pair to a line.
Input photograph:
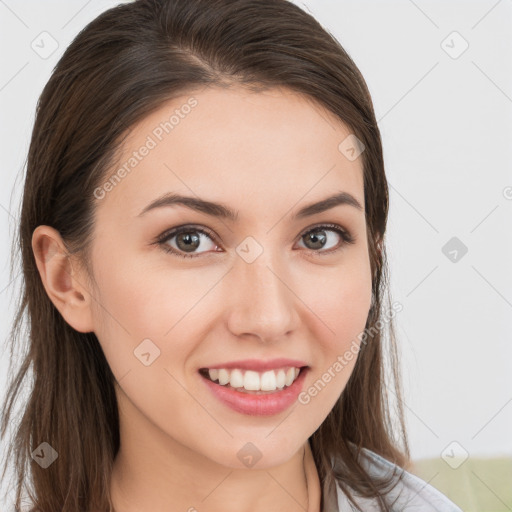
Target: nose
[261,300]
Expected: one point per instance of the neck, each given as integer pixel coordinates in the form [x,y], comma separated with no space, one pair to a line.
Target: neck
[312,481]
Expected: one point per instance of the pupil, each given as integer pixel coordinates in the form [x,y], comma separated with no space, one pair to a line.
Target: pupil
[191,241]
[318,240]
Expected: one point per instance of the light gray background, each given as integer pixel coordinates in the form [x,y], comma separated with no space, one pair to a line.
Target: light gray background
[446,123]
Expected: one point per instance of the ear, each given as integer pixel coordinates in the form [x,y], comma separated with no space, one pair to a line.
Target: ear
[63,284]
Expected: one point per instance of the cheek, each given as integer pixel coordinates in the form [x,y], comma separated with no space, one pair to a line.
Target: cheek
[142,321]
[140,299]
[136,303]
[340,299]
[339,304]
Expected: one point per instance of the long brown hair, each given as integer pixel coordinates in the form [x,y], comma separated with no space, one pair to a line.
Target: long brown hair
[121,67]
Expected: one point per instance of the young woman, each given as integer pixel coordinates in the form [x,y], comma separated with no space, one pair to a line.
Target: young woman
[202,241]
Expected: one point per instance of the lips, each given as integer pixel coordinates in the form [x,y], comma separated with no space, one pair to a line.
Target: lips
[257,403]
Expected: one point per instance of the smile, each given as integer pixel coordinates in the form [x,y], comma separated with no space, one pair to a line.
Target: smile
[251,381]
[249,392]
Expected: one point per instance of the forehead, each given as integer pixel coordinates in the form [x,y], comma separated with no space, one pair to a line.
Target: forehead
[253,150]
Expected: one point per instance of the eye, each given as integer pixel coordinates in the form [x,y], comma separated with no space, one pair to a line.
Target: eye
[318,238]
[188,239]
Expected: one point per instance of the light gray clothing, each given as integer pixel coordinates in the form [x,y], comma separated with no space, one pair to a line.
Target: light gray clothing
[410,494]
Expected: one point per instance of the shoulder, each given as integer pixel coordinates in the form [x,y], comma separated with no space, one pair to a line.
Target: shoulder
[409,494]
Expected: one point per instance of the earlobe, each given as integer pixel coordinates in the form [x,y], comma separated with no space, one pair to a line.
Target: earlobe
[63,284]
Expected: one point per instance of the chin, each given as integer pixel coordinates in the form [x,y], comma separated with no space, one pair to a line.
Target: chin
[258,451]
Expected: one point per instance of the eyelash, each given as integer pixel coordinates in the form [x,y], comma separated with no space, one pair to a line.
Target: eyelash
[347,238]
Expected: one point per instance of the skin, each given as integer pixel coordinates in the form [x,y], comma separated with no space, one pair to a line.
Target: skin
[265,154]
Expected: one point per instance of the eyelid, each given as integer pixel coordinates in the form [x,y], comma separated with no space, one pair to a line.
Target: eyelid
[331,226]
[172,232]
[186,227]
[347,237]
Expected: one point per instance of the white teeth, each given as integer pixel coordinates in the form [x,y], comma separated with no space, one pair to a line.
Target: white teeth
[237,379]
[255,381]
[290,376]
[268,381]
[223,377]
[251,380]
[280,379]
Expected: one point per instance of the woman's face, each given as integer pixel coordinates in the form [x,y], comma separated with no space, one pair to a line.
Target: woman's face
[264,285]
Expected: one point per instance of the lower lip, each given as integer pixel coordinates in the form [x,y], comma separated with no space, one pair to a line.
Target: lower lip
[258,405]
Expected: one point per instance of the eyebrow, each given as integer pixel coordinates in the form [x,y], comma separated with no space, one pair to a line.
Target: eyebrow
[224,212]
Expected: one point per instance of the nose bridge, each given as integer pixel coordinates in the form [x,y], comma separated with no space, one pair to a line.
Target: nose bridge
[263,304]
